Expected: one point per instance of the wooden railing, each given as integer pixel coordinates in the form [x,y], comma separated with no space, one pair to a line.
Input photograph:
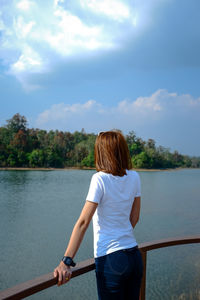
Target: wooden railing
[43,282]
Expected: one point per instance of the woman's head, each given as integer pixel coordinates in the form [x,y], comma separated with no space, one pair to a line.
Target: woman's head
[111,153]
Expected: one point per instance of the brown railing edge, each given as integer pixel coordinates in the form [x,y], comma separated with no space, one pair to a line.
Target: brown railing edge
[175,241]
[45,281]
[38,284]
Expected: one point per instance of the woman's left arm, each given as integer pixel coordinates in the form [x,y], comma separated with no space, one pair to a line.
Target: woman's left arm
[135,211]
[62,271]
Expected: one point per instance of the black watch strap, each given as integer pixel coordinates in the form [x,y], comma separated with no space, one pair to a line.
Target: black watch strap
[68,261]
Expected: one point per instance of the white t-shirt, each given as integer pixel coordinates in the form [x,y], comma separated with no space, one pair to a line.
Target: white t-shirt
[111,224]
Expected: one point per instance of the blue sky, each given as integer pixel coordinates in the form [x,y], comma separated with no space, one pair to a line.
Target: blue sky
[98,65]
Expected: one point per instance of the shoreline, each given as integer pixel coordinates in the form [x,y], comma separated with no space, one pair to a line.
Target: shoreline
[85,168]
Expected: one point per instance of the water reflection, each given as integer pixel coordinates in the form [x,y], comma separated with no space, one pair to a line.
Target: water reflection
[14,177]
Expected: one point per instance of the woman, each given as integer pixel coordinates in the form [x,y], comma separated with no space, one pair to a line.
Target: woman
[113,201]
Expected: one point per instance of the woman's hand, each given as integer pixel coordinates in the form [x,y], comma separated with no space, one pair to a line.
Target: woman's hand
[63,273]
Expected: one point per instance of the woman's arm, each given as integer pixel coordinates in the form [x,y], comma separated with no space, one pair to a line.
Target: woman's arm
[135,211]
[62,271]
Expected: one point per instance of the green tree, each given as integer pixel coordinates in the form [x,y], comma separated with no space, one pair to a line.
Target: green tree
[43,139]
[151,144]
[80,152]
[4,142]
[88,161]
[12,159]
[177,159]
[36,158]
[20,140]
[16,123]
[142,160]
[52,159]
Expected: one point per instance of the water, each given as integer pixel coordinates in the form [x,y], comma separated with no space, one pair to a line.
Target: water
[39,208]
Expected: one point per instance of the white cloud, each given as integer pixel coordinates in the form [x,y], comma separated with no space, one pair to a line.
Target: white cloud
[24,5]
[22,28]
[55,32]
[111,8]
[63,112]
[171,119]
[29,60]
[143,105]
[72,35]
[160,104]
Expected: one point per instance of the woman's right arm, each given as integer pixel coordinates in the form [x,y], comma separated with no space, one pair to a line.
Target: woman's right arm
[62,271]
[135,211]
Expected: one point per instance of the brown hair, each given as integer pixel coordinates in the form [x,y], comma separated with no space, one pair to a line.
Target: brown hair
[111,153]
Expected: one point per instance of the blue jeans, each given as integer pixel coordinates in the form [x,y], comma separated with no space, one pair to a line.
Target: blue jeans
[119,275]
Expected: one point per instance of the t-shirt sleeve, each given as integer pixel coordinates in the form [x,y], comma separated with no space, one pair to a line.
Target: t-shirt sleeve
[95,192]
[138,186]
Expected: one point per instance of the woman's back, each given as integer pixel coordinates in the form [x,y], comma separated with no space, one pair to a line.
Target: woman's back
[111,221]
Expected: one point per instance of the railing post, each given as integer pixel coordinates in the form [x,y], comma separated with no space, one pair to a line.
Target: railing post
[143,285]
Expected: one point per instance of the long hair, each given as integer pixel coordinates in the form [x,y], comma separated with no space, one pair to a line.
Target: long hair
[111,153]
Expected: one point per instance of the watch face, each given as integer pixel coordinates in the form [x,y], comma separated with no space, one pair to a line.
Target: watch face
[68,261]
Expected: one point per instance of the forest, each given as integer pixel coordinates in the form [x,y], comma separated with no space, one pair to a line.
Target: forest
[21,146]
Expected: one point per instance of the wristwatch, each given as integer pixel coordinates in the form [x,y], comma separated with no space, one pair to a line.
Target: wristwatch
[68,261]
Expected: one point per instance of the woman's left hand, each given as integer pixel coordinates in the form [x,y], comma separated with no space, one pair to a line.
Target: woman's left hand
[63,273]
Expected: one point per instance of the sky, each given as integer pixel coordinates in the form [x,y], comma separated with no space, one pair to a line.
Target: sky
[104,64]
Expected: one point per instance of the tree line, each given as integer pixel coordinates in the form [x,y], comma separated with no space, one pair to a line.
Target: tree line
[21,146]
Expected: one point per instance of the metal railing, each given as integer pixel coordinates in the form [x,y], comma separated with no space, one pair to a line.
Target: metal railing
[38,284]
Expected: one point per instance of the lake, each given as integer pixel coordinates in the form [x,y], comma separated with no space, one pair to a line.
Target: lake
[39,208]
